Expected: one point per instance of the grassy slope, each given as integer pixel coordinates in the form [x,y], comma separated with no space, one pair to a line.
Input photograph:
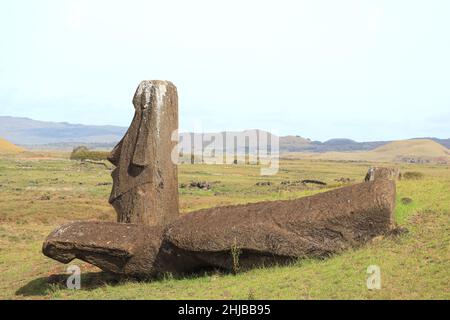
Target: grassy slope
[416,265]
[9,148]
[416,148]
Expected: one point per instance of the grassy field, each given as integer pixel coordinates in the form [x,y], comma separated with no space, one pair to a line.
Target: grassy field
[39,192]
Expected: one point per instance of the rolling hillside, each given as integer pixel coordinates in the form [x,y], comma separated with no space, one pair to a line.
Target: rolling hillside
[9,148]
[411,151]
[33,134]
[29,132]
[407,151]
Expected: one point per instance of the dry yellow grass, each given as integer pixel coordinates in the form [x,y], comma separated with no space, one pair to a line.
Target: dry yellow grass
[413,148]
[9,148]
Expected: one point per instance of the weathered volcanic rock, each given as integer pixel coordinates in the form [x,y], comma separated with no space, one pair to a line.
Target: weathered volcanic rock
[383,173]
[145,182]
[268,232]
[116,247]
[262,233]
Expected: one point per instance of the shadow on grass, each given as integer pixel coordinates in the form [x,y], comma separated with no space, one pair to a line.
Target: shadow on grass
[44,286]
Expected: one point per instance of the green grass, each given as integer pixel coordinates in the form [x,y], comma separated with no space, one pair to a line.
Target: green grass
[37,195]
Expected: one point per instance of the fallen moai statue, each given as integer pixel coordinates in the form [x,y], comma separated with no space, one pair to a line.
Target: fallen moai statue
[150,237]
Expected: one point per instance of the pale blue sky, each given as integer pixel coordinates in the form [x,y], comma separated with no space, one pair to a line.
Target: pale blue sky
[367,70]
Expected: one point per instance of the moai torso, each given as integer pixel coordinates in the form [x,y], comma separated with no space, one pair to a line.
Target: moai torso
[145,181]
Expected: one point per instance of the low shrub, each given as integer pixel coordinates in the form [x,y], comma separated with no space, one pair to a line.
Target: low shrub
[412,175]
[83,153]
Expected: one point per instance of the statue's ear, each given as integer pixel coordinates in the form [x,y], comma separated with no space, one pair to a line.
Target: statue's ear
[141,155]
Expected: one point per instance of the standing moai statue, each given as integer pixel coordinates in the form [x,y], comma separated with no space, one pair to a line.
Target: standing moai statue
[145,180]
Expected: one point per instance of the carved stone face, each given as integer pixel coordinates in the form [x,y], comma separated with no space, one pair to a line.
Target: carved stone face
[145,186]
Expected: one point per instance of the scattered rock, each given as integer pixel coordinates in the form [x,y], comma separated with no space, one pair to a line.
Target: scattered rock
[407,201]
[104,184]
[263,183]
[200,185]
[301,182]
[290,183]
[44,197]
[314,182]
[344,180]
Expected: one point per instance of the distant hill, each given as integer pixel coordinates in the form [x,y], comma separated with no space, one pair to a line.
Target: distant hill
[443,142]
[28,132]
[408,151]
[417,150]
[294,143]
[9,148]
[343,145]
[33,134]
